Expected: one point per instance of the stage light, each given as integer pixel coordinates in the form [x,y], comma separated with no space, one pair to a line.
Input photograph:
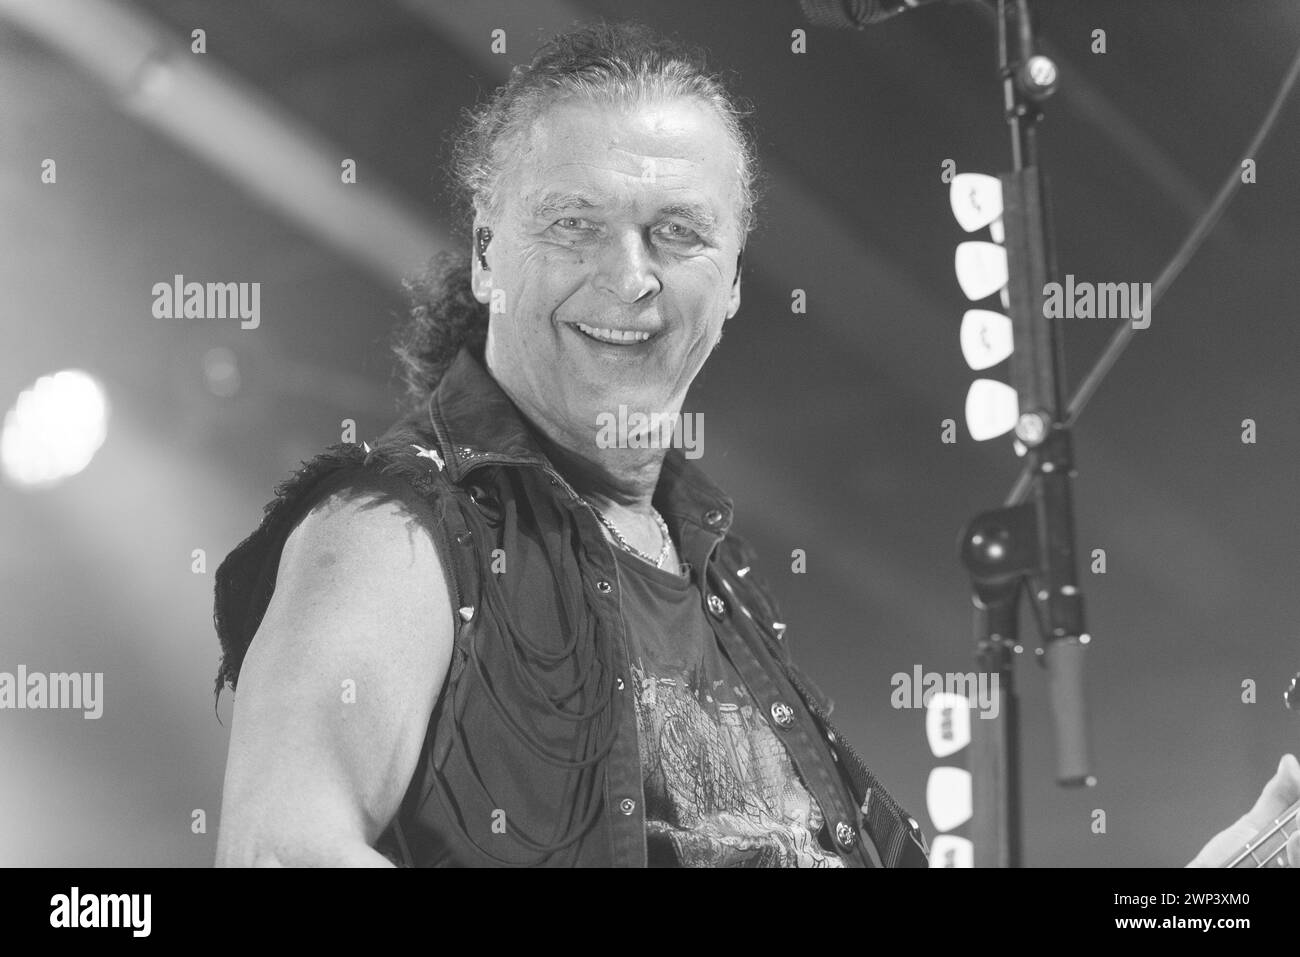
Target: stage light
[221,372]
[948,797]
[155,80]
[992,408]
[981,268]
[54,429]
[986,338]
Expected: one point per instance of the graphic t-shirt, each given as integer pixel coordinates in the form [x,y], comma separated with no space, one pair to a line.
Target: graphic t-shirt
[720,788]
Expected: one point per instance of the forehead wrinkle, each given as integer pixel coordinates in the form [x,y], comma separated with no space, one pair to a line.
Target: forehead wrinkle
[682,136]
[554,201]
[694,155]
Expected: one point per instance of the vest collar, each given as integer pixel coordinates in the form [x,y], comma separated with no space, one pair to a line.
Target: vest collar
[476,424]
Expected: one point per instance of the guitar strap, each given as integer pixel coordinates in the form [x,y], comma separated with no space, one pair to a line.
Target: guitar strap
[895,833]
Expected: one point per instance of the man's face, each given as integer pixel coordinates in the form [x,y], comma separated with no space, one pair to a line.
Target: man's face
[618,224]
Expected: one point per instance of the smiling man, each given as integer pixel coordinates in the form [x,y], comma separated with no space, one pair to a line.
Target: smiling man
[617,238]
[491,639]
[497,637]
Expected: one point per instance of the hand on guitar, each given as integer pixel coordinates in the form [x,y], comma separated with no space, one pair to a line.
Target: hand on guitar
[1278,796]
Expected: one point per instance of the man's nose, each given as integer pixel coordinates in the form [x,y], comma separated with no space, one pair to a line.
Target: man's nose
[628,268]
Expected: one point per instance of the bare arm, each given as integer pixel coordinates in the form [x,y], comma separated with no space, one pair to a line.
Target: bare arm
[336,689]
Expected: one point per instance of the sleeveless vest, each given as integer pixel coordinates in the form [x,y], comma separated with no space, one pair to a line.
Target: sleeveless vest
[531,755]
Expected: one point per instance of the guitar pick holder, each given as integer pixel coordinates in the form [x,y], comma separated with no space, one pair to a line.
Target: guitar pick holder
[1026,547]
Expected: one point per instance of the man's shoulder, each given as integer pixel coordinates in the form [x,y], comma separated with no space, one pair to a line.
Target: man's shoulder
[361,513]
[364,552]
[369,505]
[352,502]
[359,487]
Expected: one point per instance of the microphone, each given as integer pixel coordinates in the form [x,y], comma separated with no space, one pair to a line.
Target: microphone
[854,14]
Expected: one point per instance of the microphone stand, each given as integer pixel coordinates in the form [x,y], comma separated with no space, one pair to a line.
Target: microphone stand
[1027,546]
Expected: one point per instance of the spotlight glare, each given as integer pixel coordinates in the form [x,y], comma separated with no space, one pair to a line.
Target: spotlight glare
[54,429]
[221,372]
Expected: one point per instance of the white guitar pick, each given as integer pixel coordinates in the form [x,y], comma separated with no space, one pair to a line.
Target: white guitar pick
[976,200]
[981,268]
[992,408]
[948,797]
[986,338]
[949,850]
[947,723]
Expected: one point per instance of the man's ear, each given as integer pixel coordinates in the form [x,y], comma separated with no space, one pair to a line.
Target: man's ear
[733,300]
[480,270]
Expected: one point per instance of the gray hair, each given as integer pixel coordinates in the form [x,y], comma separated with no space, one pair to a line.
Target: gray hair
[623,64]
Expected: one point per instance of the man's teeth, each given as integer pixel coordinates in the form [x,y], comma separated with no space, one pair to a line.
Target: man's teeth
[614,335]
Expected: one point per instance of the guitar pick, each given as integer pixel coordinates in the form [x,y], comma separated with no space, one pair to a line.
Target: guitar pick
[981,268]
[948,797]
[976,200]
[949,850]
[986,338]
[947,723]
[992,408]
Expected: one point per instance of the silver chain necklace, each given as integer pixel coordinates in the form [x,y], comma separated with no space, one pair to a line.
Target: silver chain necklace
[628,546]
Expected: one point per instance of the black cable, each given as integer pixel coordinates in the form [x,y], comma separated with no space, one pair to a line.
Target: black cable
[1120,340]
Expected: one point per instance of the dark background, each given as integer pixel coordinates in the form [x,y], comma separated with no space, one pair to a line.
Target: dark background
[825,428]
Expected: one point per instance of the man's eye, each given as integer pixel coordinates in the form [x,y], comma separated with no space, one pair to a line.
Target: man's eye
[571,222]
[677,233]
